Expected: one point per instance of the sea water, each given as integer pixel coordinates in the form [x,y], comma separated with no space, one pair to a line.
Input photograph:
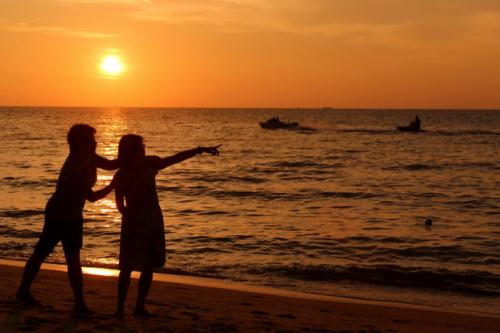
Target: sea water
[336,206]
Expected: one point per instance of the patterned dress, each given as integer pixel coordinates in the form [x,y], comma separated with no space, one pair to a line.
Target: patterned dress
[142,241]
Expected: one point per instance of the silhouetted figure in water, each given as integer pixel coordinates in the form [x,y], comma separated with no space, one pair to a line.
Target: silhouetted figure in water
[63,213]
[415,125]
[142,243]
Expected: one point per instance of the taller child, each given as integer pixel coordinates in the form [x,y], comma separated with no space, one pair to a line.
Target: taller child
[63,213]
[142,242]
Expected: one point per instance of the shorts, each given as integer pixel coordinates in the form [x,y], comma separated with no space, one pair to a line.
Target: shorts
[67,230]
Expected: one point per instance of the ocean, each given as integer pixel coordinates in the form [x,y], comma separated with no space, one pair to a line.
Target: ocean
[336,207]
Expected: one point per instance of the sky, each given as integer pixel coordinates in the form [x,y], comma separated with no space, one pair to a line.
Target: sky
[251,53]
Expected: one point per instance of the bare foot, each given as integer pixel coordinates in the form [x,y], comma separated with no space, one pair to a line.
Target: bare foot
[142,312]
[119,313]
[82,310]
[27,299]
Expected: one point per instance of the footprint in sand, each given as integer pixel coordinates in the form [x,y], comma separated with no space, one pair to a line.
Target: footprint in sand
[246,304]
[260,313]
[287,316]
[193,315]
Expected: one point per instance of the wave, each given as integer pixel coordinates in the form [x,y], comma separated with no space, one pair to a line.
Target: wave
[468,282]
[472,165]
[443,253]
[305,164]
[293,196]
[468,132]
[433,132]
[20,182]
[205,250]
[367,130]
[208,239]
[202,212]
[9,232]
[18,213]
[24,136]
[412,167]
[443,166]
[367,249]
[229,179]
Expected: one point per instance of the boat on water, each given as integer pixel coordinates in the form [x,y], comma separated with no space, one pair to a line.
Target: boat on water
[276,123]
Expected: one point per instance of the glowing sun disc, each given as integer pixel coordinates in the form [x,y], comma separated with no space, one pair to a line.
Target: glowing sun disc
[112,65]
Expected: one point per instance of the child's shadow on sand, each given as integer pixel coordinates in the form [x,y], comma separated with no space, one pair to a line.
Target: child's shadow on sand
[19,317]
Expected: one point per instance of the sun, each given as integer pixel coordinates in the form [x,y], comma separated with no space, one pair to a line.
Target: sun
[112,65]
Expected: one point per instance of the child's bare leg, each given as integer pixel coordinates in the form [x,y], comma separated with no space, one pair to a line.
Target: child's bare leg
[142,292]
[30,272]
[123,284]
[75,276]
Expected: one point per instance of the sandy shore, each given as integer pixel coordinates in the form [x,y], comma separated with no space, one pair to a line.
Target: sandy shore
[188,305]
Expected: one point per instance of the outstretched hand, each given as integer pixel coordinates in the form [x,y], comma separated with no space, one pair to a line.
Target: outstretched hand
[214,151]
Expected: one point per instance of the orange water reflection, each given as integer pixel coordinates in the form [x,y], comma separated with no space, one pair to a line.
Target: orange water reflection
[99,271]
[110,125]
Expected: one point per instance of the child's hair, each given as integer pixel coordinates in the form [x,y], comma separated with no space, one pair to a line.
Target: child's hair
[130,147]
[78,135]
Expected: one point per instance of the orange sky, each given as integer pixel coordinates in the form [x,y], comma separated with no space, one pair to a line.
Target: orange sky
[252,53]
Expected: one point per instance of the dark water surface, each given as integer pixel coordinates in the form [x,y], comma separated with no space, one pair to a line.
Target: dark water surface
[339,210]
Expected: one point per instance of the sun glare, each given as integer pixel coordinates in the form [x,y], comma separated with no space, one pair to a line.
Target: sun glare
[99,271]
[112,65]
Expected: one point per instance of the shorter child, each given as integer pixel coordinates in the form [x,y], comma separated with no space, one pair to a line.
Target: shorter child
[142,243]
[64,213]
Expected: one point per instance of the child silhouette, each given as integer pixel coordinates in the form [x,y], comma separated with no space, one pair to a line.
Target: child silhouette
[142,243]
[63,213]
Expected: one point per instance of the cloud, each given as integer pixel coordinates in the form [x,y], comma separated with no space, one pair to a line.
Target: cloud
[300,15]
[120,2]
[327,17]
[53,30]
[381,11]
[359,21]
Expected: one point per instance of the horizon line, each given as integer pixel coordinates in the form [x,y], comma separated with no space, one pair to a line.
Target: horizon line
[326,108]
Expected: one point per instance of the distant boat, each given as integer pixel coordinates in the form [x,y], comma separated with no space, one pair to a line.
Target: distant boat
[276,123]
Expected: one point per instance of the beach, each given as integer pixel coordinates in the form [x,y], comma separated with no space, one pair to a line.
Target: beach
[187,306]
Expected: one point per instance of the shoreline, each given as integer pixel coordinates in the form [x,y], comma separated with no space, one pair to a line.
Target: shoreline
[200,305]
[241,287]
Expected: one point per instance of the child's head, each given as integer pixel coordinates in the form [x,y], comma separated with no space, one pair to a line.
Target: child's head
[130,149]
[81,139]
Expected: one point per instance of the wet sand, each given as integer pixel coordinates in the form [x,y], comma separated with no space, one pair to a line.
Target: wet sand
[188,304]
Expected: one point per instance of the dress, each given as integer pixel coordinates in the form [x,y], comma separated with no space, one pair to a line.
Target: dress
[142,241]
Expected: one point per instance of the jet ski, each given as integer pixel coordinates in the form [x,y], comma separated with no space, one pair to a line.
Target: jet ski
[276,123]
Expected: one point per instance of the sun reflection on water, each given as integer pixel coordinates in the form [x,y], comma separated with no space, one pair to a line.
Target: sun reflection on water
[111,127]
[100,271]
[104,178]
